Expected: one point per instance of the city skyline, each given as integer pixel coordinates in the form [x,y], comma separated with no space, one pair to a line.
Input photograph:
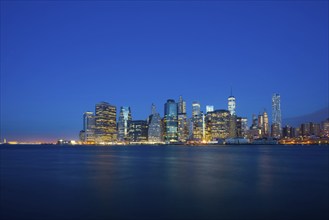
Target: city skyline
[54,68]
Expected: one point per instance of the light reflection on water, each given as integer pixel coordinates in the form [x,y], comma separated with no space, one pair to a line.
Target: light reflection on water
[164,182]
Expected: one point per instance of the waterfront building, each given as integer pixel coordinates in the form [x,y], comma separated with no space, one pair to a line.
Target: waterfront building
[196,109]
[305,129]
[82,136]
[241,127]
[315,129]
[138,131]
[325,128]
[155,127]
[254,131]
[254,124]
[181,106]
[105,123]
[233,126]
[231,105]
[182,130]
[190,128]
[263,125]
[298,132]
[288,132]
[266,126]
[209,108]
[276,116]
[123,123]
[217,125]
[87,135]
[275,130]
[171,121]
[198,127]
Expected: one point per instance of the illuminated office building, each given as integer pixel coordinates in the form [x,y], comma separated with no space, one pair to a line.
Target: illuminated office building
[197,122]
[196,109]
[155,127]
[198,127]
[87,135]
[275,130]
[231,105]
[181,106]
[315,129]
[217,125]
[233,126]
[182,121]
[105,126]
[209,108]
[182,127]
[263,125]
[288,132]
[276,116]
[241,127]
[266,126]
[138,131]
[123,123]
[325,128]
[171,121]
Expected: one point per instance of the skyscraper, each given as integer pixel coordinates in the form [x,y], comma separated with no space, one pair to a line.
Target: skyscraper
[263,125]
[217,125]
[231,105]
[138,131]
[88,127]
[181,106]
[196,109]
[266,127]
[276,116]
[105,126]
[171,121]
[233,126]
[123,123]
[182,121]
[241,126]
[209,108]
[197,122]
[155,127]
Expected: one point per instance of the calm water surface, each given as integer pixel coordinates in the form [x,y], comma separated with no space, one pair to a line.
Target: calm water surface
[236,182]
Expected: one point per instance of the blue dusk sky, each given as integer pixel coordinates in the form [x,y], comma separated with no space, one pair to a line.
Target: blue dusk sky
[58,59]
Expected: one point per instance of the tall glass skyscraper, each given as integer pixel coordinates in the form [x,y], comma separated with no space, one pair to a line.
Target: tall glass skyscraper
[276,116]
[182,121]
[231,105]
[89,126]
[105,126]
[196,109]
[171,121]
[123,123]
[181,106]
[155,127]
[209,108]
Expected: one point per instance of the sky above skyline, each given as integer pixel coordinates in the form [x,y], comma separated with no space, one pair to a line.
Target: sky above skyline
[58,59]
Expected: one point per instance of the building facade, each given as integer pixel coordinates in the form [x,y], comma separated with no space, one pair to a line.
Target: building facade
[105,123]
[217,125]
[123,123]
[276,116]
[155,127]
[171,121]
[138,131]
[231,105]
[87,135]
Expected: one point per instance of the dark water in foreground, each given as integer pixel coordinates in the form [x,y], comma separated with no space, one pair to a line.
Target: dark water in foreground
[237,182]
